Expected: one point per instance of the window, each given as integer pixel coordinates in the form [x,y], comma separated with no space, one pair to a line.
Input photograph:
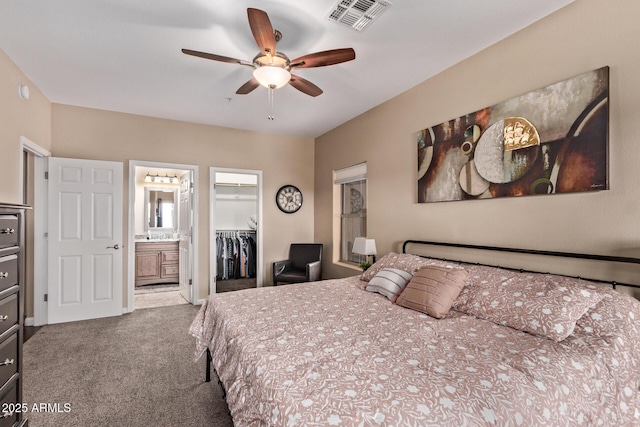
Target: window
[351,184]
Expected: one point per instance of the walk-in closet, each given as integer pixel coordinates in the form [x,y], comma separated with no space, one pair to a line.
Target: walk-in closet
[236,240]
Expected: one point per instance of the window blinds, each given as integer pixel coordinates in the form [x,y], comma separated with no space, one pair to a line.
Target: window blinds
[351,174]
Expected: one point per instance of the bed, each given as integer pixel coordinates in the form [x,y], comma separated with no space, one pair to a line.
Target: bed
[515,348]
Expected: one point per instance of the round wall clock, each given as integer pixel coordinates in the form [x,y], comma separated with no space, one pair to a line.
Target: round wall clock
[289,199]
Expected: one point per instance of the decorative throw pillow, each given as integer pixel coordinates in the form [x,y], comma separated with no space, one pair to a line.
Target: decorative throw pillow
[407,262]
[432,290]
[389,282]
[541,304]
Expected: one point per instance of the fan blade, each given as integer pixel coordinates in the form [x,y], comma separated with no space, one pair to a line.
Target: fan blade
[248,87]
[327,57]
[215,57]
[262,30]
[305,86]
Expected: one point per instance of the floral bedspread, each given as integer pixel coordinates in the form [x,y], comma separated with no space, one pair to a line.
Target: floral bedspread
[330,354]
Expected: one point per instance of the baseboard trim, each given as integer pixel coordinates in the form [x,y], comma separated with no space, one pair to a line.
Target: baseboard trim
[29,321]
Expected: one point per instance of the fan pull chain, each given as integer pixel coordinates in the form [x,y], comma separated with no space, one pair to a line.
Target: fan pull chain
[270,115]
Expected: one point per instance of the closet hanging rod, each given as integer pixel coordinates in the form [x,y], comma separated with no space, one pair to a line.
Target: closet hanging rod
[223,184]
[235,230]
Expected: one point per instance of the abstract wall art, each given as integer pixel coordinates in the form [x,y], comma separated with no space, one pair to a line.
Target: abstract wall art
[548,141]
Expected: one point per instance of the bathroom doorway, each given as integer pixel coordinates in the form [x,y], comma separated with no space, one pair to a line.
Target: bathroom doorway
[162,228]
[236,232]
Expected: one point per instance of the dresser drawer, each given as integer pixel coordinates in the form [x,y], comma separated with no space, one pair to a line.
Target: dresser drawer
[8,395]
[8,271]
[8,312]
[8,358]
[8,230]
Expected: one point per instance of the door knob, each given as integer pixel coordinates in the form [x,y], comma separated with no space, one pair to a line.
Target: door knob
[116,247]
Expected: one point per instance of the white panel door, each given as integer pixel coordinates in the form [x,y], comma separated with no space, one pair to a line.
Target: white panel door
[185,224]
[85,239]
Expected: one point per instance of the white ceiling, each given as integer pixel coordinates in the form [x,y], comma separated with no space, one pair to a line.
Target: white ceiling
[124,55]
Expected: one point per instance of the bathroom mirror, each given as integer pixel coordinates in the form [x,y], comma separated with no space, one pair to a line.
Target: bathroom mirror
[159,208]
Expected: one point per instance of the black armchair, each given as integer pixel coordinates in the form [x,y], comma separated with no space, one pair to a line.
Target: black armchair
[304,264]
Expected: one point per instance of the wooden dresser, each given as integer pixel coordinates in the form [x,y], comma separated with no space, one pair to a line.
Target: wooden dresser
[156,262]
[11,313]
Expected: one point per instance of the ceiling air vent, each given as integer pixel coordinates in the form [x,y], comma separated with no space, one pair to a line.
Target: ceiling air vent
[357,14]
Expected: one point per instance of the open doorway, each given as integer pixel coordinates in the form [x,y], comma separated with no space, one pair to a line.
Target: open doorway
[236,232]
[162,227]
[33,165]
[51,214]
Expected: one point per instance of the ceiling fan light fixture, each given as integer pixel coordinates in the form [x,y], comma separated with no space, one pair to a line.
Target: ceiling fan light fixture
[272,67]
[272,77]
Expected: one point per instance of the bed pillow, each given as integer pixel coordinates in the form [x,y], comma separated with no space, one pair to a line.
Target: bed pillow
[407,262]
[615,315]
[389,282]
[432,290]
[541,304]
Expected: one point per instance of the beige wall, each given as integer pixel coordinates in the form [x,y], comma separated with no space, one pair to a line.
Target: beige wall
[85,133]
[583,36]
[29,118]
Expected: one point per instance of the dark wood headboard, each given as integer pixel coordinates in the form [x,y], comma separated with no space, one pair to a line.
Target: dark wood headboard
[460,248]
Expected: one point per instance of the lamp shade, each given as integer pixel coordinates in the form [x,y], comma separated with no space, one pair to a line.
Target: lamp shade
[364,246]
[271,77]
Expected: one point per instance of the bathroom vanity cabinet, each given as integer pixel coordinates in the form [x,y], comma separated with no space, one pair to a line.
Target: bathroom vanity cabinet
[157,262]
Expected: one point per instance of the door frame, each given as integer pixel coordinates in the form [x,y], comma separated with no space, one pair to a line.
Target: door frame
[212,224]
[131,237]
[40,214]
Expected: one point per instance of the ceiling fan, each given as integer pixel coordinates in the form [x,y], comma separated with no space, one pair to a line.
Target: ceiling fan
[272,69]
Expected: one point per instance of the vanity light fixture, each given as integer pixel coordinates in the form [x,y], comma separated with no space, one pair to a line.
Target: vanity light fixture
[162,179]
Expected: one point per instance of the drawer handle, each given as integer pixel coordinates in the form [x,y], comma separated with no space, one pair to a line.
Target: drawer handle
[4,274]
[3,318]
[8,230]
[7,362]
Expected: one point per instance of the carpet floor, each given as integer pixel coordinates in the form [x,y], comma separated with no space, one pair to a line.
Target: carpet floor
[131,370]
